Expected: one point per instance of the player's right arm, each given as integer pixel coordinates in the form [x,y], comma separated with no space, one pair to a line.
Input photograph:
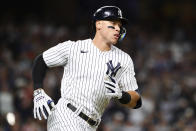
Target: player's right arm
[41,99]
[55,56]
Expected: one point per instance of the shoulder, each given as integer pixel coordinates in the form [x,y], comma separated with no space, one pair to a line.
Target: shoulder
[76,43]
[83,41]
[72,44]
[124,58]
[79,41]
[122,54]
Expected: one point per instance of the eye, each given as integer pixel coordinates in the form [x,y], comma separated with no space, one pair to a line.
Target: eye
[116,23]
[119,24]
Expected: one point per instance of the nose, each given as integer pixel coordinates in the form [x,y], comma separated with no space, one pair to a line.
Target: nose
[117,28]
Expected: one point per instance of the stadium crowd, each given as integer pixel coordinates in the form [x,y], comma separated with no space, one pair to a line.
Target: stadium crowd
[162,47]
[164,66]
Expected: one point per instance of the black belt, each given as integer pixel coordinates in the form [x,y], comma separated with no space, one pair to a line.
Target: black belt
[83,116]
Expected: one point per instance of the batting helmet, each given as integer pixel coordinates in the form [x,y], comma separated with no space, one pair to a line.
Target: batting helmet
[110,13]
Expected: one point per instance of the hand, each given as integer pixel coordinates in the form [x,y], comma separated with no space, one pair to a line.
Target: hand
[113,89]
[41,104]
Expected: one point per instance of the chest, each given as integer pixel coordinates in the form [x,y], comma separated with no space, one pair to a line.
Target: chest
[92,64]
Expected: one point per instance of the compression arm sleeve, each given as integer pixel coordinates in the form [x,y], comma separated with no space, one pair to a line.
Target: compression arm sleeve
[38,71]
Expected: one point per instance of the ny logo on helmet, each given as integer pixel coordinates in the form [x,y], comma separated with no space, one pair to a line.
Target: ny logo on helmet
[120,13]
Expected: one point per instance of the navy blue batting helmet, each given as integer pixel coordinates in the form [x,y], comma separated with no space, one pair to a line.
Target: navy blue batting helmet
[110,13]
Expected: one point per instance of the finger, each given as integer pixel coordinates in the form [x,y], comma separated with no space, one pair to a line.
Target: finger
[43,113]
[38,114]
[34,113]
[109,84]
[110,94]
[112,91]
[52,104]
[108,81]
[48,109]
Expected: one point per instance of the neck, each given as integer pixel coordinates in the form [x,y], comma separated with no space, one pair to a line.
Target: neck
[100,43]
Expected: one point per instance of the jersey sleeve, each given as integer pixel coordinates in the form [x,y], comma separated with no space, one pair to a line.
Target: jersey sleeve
[57,55]
[128,80]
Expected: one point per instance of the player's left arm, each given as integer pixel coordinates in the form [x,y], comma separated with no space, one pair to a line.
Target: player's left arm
[131,99]
[124,87]
[131,96]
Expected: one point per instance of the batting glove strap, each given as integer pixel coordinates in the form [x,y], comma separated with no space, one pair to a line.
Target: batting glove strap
[126,98]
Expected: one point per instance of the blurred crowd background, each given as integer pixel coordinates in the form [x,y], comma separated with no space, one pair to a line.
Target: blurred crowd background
[161,40]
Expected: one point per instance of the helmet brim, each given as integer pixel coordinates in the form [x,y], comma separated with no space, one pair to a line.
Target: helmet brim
[124,21]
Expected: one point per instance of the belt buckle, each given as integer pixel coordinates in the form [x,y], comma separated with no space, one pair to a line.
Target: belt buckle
[97,122]
[88,119]
[91,123]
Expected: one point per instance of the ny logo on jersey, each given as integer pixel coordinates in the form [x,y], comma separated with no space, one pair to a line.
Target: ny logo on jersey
[111,71]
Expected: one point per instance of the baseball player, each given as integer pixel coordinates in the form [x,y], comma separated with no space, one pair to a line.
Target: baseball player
[95,71]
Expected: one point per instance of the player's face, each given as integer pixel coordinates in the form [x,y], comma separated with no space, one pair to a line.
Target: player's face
[110,31]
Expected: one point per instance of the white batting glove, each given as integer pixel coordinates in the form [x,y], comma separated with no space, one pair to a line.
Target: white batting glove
[113,89]
[41,104]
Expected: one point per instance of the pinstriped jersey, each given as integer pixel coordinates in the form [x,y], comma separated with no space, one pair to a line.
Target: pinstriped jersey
[85,68]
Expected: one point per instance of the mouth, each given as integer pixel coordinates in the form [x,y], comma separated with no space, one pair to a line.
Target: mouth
[116,36]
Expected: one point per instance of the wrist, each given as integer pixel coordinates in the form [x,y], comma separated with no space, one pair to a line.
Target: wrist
[37,92]
[38,86]
[126,98]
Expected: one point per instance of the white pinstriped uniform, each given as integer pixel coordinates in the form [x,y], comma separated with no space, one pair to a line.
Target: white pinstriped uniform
[82,83]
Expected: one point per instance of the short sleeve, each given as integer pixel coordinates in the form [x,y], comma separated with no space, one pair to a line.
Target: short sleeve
[128,80]
[57,55]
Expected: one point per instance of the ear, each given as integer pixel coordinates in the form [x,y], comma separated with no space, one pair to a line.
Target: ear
[98,25]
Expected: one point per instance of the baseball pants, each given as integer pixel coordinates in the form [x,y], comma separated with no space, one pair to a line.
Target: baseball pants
[63,119]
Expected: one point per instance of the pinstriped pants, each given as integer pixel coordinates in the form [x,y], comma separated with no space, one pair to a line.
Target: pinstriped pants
[63,119]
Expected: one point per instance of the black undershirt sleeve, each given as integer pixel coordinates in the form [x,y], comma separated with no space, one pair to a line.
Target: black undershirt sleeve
[38,71]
